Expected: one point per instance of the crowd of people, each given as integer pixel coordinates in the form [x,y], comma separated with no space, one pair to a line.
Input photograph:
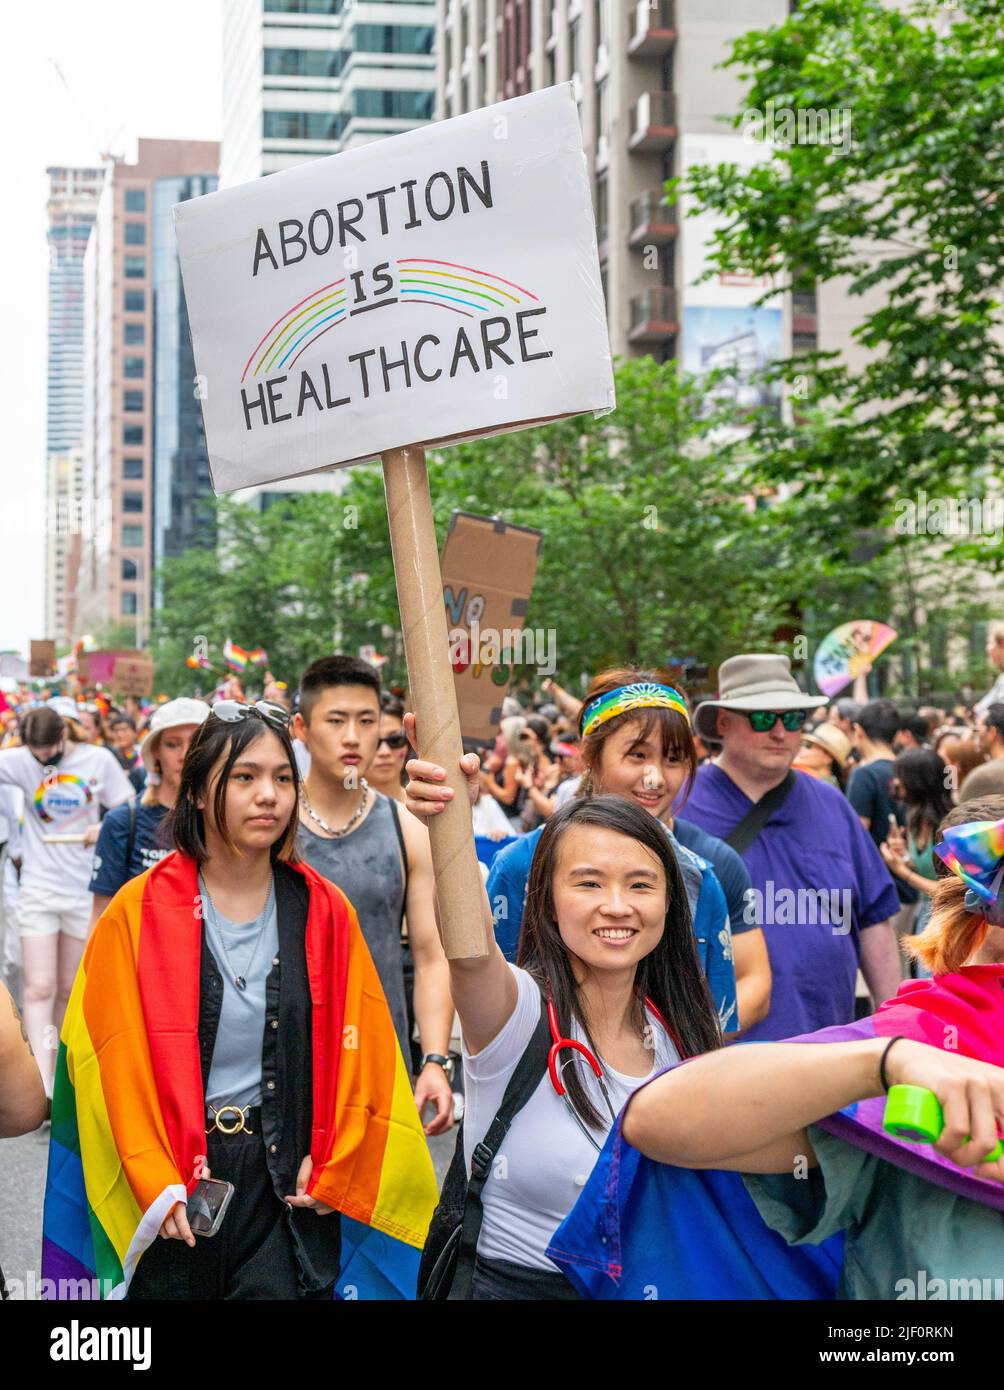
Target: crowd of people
[665,877]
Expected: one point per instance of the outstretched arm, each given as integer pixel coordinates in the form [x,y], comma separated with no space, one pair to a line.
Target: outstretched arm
[747,1108]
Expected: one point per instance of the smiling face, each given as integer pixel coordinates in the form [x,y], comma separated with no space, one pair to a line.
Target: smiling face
[609,895]
[260,797]
[635,764]
[342,734]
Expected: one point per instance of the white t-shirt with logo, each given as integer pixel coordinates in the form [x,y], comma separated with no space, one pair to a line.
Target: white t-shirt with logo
[66,802]
[545,1159]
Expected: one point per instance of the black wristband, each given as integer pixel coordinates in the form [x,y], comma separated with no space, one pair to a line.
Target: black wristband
[439,1060]
[885,1053]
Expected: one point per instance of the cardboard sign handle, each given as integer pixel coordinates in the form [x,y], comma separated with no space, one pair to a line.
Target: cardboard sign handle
[459,886]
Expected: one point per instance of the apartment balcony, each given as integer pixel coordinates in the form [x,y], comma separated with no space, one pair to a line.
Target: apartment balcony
[652,222]
[653,123]
[653,30]
[653,316]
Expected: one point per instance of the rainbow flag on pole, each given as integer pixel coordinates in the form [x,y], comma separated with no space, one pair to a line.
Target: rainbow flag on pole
[128,1111]
[235,657]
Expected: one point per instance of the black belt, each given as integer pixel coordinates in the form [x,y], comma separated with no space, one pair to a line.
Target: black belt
[237,1119]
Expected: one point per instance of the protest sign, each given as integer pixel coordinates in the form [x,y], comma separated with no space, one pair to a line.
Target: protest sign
[488,571]
[120,672]
[431,287]
[42,658]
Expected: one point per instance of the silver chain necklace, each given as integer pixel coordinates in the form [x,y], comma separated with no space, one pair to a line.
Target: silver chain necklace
[240,977]
[353,819]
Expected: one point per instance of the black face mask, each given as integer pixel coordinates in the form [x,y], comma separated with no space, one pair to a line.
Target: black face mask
[47,762]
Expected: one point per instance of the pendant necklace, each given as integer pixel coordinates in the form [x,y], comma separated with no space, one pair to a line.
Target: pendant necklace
[240,977]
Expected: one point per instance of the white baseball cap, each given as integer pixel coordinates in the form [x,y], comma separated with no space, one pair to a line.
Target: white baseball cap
[169,716]
[64,706]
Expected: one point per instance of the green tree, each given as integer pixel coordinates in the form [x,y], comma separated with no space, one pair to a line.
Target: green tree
[911,207]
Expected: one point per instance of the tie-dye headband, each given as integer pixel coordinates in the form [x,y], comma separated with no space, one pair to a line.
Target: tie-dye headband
[975,852]
[641,695]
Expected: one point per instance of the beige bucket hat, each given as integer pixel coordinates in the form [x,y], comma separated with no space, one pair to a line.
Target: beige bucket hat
[760,680]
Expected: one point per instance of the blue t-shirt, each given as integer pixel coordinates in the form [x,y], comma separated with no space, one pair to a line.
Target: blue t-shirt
[110,870]
[820,882]
[510,873]
[731,872]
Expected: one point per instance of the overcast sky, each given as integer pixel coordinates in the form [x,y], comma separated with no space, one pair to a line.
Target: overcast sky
[132,68]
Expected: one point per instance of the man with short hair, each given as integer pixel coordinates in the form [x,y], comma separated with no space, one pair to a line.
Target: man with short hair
[126,751]
[988,778]
[912,733]
[825,895]
[843,713]
[379,855]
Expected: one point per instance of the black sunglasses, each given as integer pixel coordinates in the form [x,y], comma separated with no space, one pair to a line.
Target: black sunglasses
[763,720]
[394,741]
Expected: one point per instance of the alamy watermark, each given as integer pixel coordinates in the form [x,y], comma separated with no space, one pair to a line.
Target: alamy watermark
[950,516]
[806,125]
[789,907]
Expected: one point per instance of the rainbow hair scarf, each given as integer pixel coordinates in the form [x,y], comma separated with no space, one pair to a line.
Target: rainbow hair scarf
[975,853]
[128,1110]
[640,695]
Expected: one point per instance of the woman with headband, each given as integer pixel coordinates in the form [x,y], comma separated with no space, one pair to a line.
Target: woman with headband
[921,1220]
[637,743]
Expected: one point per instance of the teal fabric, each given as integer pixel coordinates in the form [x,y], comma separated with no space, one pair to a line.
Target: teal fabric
[904,1238]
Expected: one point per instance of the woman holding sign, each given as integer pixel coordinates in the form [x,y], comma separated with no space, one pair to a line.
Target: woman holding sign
[606,993]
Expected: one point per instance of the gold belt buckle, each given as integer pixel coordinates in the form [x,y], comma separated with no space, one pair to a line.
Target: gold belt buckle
[234,1113]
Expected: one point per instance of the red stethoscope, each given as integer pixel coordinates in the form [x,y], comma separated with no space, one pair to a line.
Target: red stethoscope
[556,1068]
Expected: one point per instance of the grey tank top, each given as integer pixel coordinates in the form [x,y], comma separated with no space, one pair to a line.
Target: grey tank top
[366,866]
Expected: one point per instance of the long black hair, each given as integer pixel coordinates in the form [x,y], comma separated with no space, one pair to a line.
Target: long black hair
[921,774]
[670,975]
[185,826]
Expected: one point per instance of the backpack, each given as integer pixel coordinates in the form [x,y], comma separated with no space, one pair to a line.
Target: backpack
[447,1265]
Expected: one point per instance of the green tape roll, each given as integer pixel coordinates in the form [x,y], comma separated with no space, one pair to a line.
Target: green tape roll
[914,1114]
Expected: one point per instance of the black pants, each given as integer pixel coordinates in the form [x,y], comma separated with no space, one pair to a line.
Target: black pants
[252,1256]
[504,1281]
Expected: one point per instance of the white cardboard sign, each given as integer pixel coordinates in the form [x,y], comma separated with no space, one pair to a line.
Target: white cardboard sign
[424,289]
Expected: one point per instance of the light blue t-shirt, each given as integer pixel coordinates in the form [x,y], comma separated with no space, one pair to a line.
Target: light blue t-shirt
[235,1071]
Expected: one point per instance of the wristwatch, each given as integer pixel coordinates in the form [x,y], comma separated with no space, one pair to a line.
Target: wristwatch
[445,1062]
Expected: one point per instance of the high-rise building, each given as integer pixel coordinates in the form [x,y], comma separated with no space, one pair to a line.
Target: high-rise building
[181,480]
[115,574]
[646,78]
[303,78]
[72,204]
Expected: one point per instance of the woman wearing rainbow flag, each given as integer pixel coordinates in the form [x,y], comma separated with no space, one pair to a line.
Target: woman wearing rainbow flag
[803,1120]
[227,1019]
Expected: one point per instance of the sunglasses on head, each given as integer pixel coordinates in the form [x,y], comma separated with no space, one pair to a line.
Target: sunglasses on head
[394,741]
[230,711]
[763,720]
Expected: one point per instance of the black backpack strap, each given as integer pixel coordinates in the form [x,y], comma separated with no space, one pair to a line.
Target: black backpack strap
[757,816]
[522,1084]
[396,818]
[131,841]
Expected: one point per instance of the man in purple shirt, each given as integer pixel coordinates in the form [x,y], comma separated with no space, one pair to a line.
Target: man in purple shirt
[824,894]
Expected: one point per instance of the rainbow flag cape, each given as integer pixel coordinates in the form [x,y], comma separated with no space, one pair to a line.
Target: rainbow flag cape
[690,1233]
[128,1110]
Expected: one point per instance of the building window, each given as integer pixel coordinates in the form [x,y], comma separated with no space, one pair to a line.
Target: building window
[395,38]
[135,333]
[135,233]
[573,47]
[128,605]
[602,23]
[132,434]
[304,6]
[135,301]
[602,208]
[133,400]
[134,367]
[135,267]
[130,570]
[305,62]
[602,111]
[132,467]
[132,502]
[132,537]
[303,125]
[135,200]
[396,105]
